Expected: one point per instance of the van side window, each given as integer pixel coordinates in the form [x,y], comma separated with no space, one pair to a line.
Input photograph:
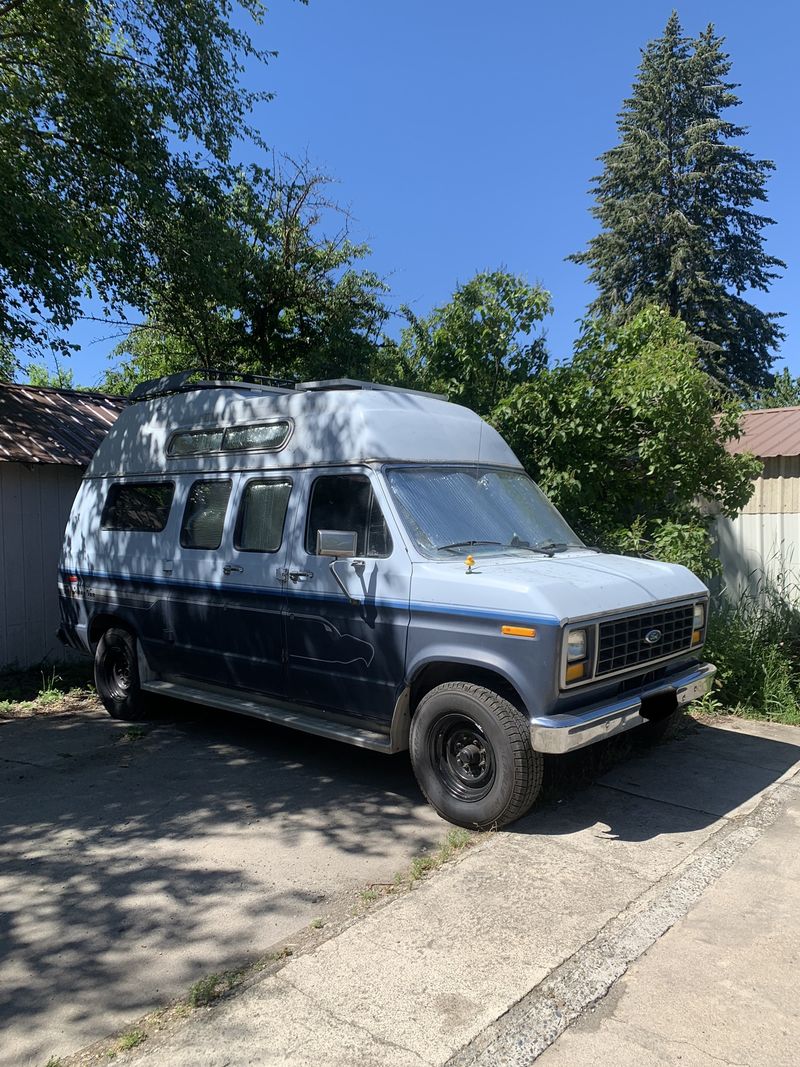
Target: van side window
[142,506]
[262,513]
[204,516]
[347,502]
[258,437]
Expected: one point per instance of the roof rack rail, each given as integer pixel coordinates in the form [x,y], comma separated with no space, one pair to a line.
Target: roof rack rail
[354,383]
[187,380]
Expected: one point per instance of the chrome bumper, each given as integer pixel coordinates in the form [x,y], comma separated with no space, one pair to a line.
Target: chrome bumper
[576,729]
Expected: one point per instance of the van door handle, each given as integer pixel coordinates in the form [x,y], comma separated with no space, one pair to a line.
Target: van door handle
[229,568]
[300,576]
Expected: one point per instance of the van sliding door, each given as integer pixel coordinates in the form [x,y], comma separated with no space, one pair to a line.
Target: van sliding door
[253,566]
[228,626]
[196,602]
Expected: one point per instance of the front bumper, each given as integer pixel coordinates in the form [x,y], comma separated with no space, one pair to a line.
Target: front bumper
[576,729]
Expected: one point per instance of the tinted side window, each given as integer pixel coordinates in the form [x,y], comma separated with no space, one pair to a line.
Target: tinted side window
[137,506]
[260,437]
[204,516]
[347,502]
[262,513]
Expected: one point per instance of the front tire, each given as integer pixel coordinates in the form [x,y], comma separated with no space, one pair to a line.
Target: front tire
[472,756]
[116,675]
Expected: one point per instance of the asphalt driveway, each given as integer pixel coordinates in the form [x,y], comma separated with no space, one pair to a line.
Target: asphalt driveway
[135,860]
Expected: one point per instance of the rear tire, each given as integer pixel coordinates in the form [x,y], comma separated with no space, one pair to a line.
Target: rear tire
[472,756]
[116,675]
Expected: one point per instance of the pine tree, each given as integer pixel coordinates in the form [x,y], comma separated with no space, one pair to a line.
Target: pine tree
[674,203]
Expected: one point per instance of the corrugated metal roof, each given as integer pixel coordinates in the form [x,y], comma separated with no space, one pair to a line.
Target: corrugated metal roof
[39,425]
[769,432]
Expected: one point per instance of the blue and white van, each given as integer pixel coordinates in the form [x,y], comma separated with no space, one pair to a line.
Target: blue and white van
[368,564]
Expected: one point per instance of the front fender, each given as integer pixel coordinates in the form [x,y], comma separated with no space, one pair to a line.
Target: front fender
[529,665]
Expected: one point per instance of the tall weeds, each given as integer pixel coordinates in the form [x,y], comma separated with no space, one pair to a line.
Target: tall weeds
[754,640]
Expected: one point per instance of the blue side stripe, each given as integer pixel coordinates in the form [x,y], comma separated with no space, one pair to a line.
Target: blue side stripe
[422,607]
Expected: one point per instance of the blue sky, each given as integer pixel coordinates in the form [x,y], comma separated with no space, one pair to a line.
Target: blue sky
[463,134]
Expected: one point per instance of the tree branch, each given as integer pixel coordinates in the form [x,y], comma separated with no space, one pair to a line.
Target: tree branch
[75,142]
[7,8]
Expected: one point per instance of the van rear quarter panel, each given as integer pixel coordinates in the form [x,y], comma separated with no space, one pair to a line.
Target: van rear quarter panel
[118,570]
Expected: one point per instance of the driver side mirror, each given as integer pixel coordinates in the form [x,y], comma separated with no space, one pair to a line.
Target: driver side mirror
[336,543]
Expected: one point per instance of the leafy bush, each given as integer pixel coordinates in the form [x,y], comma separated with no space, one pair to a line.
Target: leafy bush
[754,640]
[628,440]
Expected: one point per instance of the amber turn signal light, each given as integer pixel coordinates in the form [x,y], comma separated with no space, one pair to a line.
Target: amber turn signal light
[518,631]
[575,671]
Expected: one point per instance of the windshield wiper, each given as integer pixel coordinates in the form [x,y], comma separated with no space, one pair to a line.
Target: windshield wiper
[523,546]
[467,544]
[552,547]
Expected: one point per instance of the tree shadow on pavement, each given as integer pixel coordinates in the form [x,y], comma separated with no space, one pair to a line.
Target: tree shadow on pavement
[136,858]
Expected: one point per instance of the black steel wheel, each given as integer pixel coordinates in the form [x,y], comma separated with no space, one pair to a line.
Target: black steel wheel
[463,756]
[472,756]
[116,675]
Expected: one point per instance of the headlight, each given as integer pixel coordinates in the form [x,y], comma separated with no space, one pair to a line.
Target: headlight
[699,620]
[576,645]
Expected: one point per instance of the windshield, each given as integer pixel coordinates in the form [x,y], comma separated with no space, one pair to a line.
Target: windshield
[449,510]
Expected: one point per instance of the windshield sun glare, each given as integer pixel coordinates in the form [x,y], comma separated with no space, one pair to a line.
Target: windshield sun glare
[448,510]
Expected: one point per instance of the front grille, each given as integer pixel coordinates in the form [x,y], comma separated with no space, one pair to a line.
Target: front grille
[622,643]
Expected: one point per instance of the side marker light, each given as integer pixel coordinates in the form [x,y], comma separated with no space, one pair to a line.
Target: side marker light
[518,631]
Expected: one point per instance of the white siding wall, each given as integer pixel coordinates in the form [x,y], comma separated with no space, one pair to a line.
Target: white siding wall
[35,501]
[764,539]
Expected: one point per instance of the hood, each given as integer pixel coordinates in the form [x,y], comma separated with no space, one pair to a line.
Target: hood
[565,588]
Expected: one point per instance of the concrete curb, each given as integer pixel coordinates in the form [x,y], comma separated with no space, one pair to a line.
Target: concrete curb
[534,1023]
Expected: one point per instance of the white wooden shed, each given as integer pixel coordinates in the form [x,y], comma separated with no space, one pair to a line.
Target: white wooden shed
[47,437]
[763,541]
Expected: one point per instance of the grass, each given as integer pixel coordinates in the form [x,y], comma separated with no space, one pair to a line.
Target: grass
[455,842]
[206,990]
[51,690]
[132,1039]
[44,689]
[133,733]
[754,640]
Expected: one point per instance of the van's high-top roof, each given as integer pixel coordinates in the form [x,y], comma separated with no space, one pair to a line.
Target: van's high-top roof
[328,426]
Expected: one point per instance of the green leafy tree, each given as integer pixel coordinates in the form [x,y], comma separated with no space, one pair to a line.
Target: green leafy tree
[628,439]
[61,378]
[783,392]
[107,107]
[249,282]
[479,345]
[8,364]
[675,201]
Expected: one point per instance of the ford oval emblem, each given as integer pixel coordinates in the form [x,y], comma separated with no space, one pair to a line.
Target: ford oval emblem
[652,637]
